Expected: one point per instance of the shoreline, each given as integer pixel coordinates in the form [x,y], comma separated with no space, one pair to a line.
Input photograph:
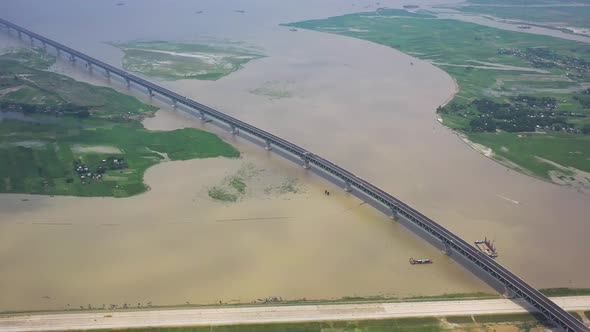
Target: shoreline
[281,314]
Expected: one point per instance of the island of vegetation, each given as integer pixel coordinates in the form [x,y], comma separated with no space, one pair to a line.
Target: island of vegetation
[175,61]
[59,136]
[523,96]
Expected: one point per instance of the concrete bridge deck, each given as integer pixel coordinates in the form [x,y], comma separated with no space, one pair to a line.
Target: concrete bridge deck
[451,242]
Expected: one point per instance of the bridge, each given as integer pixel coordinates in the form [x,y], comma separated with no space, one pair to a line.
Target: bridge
[451,242]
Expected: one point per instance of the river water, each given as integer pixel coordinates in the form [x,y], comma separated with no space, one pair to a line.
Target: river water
[358,104]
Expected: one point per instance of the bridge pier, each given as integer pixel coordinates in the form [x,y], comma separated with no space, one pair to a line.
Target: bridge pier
[150,92]
[447,249]
[20,35]
[347,186]
[32,40]
[267,145]
[174,103]
[306,164]
[202,116]
[72,58]
[233,130]
[394,214]
[108,73]
[127,82]
[89,65]
[508,293]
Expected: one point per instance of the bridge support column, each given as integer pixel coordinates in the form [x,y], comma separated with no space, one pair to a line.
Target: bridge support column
[32,40]
[150,92]
[127,82]
[447,249]
[233,130]
[58,51]
[347,186]
[108,73]
[267,145]
[174,103]
[44,45]
[20,35]
[394,214]
[202,116]
[89,65]
[72,58]
[508,293]
[306,164]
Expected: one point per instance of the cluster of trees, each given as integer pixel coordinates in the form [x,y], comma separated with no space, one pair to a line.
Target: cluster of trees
[57,109]
[583,98]
[570,61]
[522,114]
[546,103]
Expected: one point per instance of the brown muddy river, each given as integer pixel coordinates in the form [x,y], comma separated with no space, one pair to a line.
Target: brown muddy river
[358,104]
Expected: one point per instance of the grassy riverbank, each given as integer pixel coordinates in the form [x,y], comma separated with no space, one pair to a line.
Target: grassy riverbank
[63,137]
[511,84]
[550,292]
[174,61]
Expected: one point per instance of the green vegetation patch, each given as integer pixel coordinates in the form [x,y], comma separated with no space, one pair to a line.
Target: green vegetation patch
[551,292]
[275,89]
[33,58]
[505,318]
[511,83]
[531,151]
[453,296]
[587,314]
[460,319]
[63,137]
[174,61]
[233,187]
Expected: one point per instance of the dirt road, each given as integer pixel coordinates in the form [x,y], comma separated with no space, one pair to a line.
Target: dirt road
[266,314]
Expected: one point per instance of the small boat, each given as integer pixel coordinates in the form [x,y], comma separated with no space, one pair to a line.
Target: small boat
[420,261]
[292,29]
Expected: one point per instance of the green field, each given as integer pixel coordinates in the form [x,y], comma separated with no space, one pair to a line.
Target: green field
[51,124]
[496,70]
[174,61]
[551,292]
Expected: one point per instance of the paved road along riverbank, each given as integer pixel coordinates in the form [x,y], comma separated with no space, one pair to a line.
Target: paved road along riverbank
[270,314]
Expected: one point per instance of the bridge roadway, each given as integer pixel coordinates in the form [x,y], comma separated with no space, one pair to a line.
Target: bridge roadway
[451,242]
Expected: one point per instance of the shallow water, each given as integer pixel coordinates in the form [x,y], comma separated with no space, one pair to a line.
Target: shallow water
[358,104]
